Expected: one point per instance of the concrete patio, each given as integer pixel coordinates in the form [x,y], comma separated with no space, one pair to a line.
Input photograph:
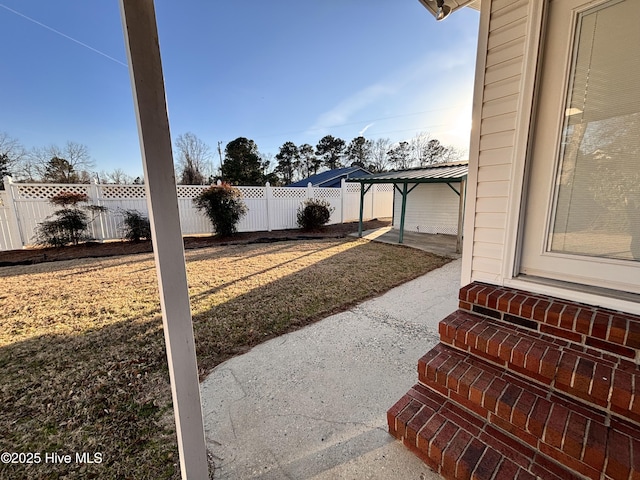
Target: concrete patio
[444,245]
[312,404]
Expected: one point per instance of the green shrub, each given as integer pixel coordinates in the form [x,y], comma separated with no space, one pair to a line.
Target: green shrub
[70,224]
[136,226]
[313,214]
[224,206]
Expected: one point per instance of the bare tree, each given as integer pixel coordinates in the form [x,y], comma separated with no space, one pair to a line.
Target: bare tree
[193,158]
[77,162]
[11,154]
[116,176]
[379,155]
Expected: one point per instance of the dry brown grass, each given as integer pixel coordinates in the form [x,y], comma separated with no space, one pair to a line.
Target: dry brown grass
[82,360]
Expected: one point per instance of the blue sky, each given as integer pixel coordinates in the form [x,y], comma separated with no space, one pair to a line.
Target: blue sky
[273,71]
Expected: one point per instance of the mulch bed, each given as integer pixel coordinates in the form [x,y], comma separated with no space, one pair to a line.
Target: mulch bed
[30,256]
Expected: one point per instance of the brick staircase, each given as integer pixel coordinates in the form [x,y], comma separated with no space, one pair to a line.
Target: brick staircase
[525,386]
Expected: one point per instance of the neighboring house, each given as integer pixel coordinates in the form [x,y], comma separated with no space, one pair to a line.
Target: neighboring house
[537,373]
[331,178]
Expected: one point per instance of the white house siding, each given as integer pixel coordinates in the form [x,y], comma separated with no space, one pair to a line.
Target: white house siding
[499,93]
[431,208]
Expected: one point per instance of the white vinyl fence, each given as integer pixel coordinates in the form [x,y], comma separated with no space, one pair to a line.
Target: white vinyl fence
[25,205]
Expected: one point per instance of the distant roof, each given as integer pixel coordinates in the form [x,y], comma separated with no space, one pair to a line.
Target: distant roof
[437,173]
[331,178]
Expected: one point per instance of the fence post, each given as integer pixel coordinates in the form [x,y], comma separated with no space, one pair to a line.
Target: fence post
[309,191]
[17,238]
[94,195]
[267,199]
[343,194]
[374,187]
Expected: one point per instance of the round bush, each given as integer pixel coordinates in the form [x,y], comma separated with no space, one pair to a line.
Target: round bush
[313,214]
[224,206]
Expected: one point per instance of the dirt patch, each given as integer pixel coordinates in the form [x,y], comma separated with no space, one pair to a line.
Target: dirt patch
[31,256]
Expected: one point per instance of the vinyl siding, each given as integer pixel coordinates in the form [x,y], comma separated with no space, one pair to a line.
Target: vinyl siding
[431,208]
[504,69]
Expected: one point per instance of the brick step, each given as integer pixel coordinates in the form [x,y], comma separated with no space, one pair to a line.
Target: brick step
[587,440]
[460,446]
[607,330]
[599,379]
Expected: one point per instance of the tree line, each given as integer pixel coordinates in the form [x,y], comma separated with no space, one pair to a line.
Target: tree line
[243,163]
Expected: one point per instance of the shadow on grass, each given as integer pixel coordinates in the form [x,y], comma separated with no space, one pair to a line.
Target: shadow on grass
[107,390]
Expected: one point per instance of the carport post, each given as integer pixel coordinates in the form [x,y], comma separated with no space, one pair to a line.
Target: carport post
[404,209]
[145,69]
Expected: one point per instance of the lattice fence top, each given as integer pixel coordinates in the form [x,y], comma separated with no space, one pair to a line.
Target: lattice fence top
[253,192]
[327,193]
[190,191]
[122,191]
[384,187]
[352,187]
[288,192]
[46,191]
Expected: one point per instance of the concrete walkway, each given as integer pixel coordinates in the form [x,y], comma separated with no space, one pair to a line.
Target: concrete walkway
[312,404]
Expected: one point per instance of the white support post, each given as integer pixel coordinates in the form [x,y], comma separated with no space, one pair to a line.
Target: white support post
[145,68]
[309,191]
[268,195]
[343,195]
[17,238]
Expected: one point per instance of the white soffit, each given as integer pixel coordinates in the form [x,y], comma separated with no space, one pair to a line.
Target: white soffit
[432,6]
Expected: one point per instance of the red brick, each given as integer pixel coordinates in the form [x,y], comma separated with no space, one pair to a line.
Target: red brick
[463,293]
[570,462]
[506,347]
[481,295]
[540,310]
[556,424]
[441,440]
[524,475]
[444,369]
[464,419]
[582,378]
[493,345]
[507,470]
[464,327]
[477,389]
[515,303]
[503,301]
[534,357]
[464,305]
[453,452]
[618,455]
[515,450]
[566,367]
[633,334]
[456,374]
[526,310]
[492,299]
[611,347]
[417,423]
[595,445]
[549,363]
[553,314]
[520,351]
[538,417]
[522,408]
[483,338]
[428,432]
[492,394]
[407,414]
[601,384]
[618,330]
[545,469]
[507,400]
[568,317]
[507,426]
[635,468]
[393,412]
[487,465]
[600,326]
[467,379]
[575,435]
[558,332]
[583,321]
[469,459]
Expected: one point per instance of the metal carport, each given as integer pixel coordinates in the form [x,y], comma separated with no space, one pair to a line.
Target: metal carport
[453,172]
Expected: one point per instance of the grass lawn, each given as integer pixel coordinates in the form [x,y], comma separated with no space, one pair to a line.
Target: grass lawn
[82,356]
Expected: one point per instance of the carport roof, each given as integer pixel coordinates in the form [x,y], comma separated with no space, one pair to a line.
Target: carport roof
[438,173]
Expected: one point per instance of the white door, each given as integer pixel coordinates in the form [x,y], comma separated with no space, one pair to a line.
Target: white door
[582,212]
